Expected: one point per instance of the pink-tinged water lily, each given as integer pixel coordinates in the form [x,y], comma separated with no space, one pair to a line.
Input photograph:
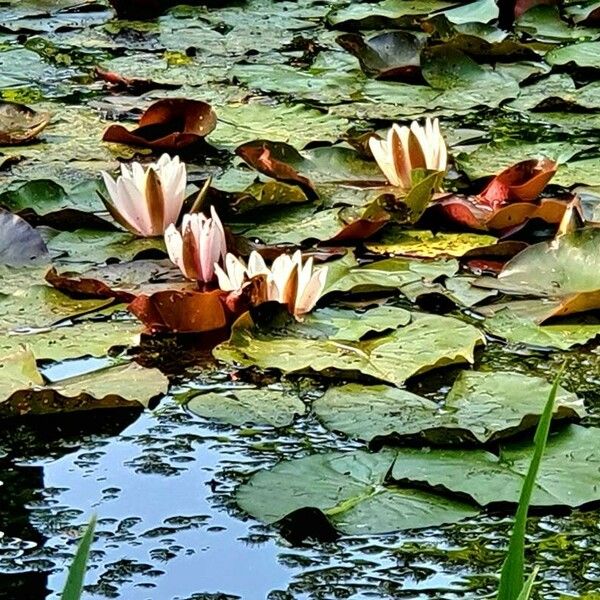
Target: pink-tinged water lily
[200,245]
[147,202]
[411,148]
[288,281]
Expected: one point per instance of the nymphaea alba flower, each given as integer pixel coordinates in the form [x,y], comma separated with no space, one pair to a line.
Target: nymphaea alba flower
[200,245]
[289,281]
[409,148]
[147,201]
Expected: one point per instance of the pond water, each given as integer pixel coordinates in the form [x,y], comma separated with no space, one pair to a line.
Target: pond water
[162,485]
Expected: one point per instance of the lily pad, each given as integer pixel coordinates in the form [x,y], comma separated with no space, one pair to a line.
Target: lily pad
[350,490]
[97,246]
[291,123]
[120,386]
[19,123]
[480,408]
[516,329]
[239,406]
[584,54]
[426,343]
[83,338]
[346,275]
[426,244]
[564,269]
[567,474]
[20,244]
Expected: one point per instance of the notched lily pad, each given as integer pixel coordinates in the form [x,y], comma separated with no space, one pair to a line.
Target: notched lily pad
[350,489]
[23,391]
[240,406]
[20,124]
[426,343]
[167,125]
[480,408]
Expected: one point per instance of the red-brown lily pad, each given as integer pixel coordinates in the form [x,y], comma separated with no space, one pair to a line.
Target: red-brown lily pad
[133,85]
[20,124]
[189,311]
[522,182]
[167,125]
[276,160]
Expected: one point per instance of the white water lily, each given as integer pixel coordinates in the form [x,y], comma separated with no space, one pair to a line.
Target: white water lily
[200,245]
[147,201]
[406,149]
[288,281]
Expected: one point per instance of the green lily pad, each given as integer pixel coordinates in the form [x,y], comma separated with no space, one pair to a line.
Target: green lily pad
[426,244]
[480,408]
[517,329]
[584,54]
[565,266]
[350,489]
[325,86]
[394,10]
[118,386]
[239,406]
[94,246]
[51,202]
[426,343]
[567,477]
[291,123]
[85,338]
[346,275]
[42,306]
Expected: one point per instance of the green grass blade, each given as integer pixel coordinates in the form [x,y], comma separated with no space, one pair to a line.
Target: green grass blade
[513,570]
[528,587]
[74,586]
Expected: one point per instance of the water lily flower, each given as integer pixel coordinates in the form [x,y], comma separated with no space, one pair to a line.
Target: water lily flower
[288,281]
[411,148]
[147,202]
[200,245]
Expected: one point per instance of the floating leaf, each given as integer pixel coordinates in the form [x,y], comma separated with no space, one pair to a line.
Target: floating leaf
[350,489]
[564,269]
[97,246]
[389,55]
[120,386]
[346,275]
[19,123]
[20,243]
[239,406]
[425,244]
[517,329]
[83,338]
[480,408]
[584,54]
[427,342]
[567,475]
[167,125]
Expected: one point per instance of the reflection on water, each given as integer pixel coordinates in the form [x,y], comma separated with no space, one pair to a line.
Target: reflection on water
[162,486]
